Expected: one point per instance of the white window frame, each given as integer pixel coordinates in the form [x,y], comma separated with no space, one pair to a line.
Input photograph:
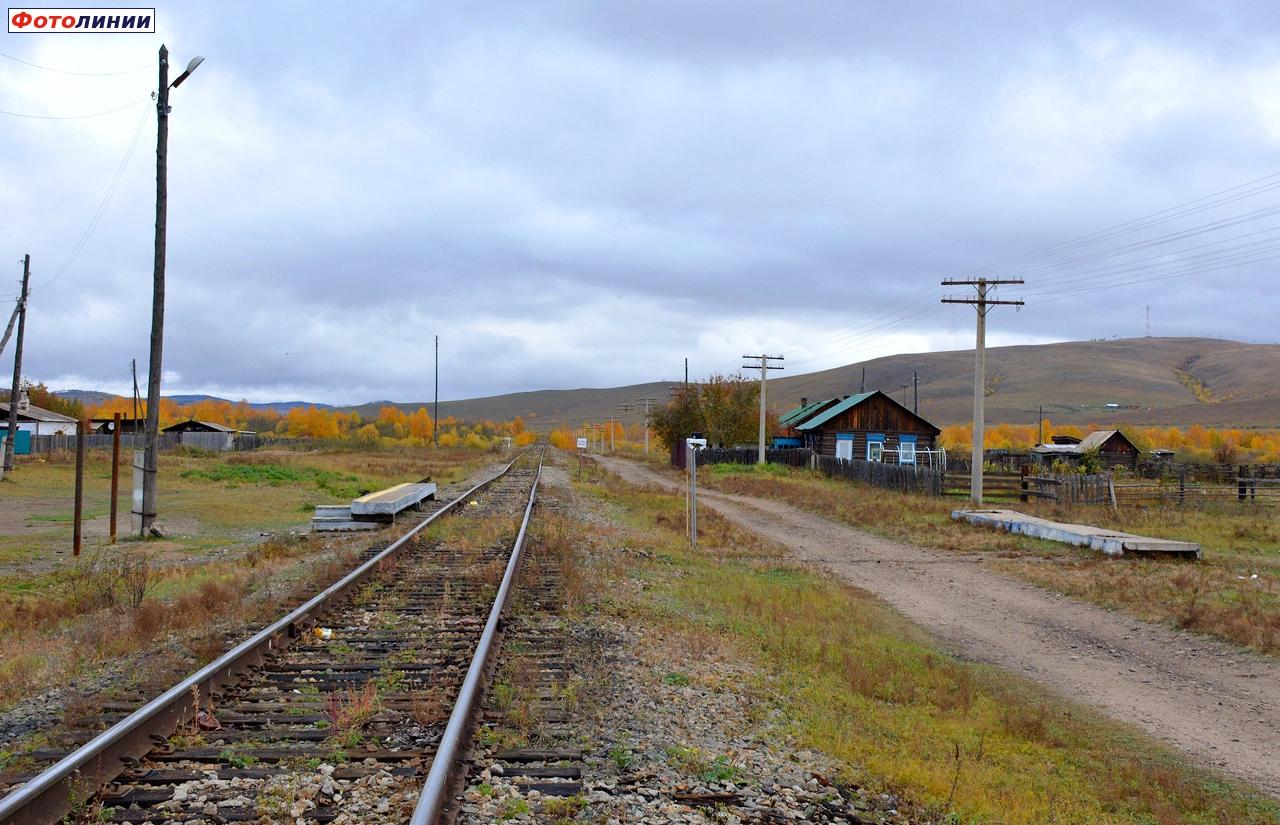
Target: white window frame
[875,451]
[906,452]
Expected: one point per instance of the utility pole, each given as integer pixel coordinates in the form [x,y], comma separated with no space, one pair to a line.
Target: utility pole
[915,392]
[764,366]
[1040,424]
[8,330]
[623,409]
[903,387]
[151,445]
[863,386]
[151,457]
[435,408]
[17,365]
[646,401]
[981,303]
[686,371]
[137,399]
[1148,320]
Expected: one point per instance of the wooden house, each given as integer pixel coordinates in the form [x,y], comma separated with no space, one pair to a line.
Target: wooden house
[870,426]
[1114,450]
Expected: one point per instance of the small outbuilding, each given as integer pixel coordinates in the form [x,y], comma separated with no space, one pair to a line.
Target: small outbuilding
[1112,447]
[869,426]
[37,420]
[206,434]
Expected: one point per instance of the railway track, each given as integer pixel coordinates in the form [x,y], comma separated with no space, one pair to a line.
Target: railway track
[355,707]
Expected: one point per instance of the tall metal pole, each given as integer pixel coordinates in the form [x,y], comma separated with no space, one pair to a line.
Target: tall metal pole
[12,435]
[151,456]
[915,392]
[435,426]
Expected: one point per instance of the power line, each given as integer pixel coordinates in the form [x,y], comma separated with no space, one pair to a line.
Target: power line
[77,74]
[74,117]
[102,207]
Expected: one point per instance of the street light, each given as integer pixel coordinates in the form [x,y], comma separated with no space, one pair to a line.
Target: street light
[151,457]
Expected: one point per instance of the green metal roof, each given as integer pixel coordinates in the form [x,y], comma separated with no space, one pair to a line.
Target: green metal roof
[825,416]
[799,413]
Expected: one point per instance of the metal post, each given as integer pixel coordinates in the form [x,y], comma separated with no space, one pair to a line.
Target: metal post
[17,366]
[115,472]
[79,505]
[915,392]
[693,494]
[151,456]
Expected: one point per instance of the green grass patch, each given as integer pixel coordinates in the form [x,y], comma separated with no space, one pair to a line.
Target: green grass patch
[342,485]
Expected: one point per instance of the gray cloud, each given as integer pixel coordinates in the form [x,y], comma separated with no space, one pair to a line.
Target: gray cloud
[581,193]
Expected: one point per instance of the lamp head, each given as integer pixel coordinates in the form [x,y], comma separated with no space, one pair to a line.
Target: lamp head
[191,67]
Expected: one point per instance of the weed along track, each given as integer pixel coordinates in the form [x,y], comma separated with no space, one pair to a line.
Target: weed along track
[332,714]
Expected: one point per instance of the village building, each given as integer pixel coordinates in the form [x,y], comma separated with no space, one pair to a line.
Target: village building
[1112,447]
[37,420]
[206,434]
[869,426]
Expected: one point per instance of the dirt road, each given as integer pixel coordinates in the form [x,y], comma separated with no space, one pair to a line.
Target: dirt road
[1214,702]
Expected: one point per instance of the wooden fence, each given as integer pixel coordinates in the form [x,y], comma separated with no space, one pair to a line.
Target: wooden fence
[795,457]
[1248,492]
[218,442]
[903,477]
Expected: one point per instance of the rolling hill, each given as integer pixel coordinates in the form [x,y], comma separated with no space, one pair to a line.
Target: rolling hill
[1156,381]
[1150,381]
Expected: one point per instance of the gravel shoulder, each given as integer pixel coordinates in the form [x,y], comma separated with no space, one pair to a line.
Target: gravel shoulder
[1216,703]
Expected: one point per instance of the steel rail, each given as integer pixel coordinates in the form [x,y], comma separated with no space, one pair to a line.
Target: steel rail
[435,792]
[49,796]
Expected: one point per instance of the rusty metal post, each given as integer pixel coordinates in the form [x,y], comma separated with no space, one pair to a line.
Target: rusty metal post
[79,509]
[115,471]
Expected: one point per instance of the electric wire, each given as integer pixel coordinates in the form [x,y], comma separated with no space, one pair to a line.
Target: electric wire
[77,74]
[26,116]
[102,206]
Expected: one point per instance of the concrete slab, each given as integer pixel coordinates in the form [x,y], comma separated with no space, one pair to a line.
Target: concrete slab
[338,526]
[392,500]
[1110,542]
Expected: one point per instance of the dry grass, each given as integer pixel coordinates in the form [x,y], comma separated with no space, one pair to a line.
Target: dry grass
[862,684]
[60,619]
[1219,596]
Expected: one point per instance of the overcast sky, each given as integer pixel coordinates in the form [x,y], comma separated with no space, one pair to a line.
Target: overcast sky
[584,193]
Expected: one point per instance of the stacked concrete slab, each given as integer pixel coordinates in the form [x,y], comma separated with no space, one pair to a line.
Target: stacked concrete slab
[369,512]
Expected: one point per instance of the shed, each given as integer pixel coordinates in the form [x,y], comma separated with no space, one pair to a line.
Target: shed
[37,420]
[1113,448]
[869,426]
[206,434]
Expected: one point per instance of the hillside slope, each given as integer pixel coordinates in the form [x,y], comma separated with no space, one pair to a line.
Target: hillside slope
[1158,381]
[1151,379]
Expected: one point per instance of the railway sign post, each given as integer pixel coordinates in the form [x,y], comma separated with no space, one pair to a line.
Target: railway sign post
[582,445]
[691,446]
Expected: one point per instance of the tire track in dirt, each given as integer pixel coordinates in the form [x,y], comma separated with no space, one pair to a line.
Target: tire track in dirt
[1217,703]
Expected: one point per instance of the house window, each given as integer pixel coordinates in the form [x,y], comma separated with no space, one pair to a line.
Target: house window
[875,447]
[907,449]
[844,446]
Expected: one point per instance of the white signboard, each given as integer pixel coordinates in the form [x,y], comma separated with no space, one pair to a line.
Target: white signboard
[582,444]
[696,443]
